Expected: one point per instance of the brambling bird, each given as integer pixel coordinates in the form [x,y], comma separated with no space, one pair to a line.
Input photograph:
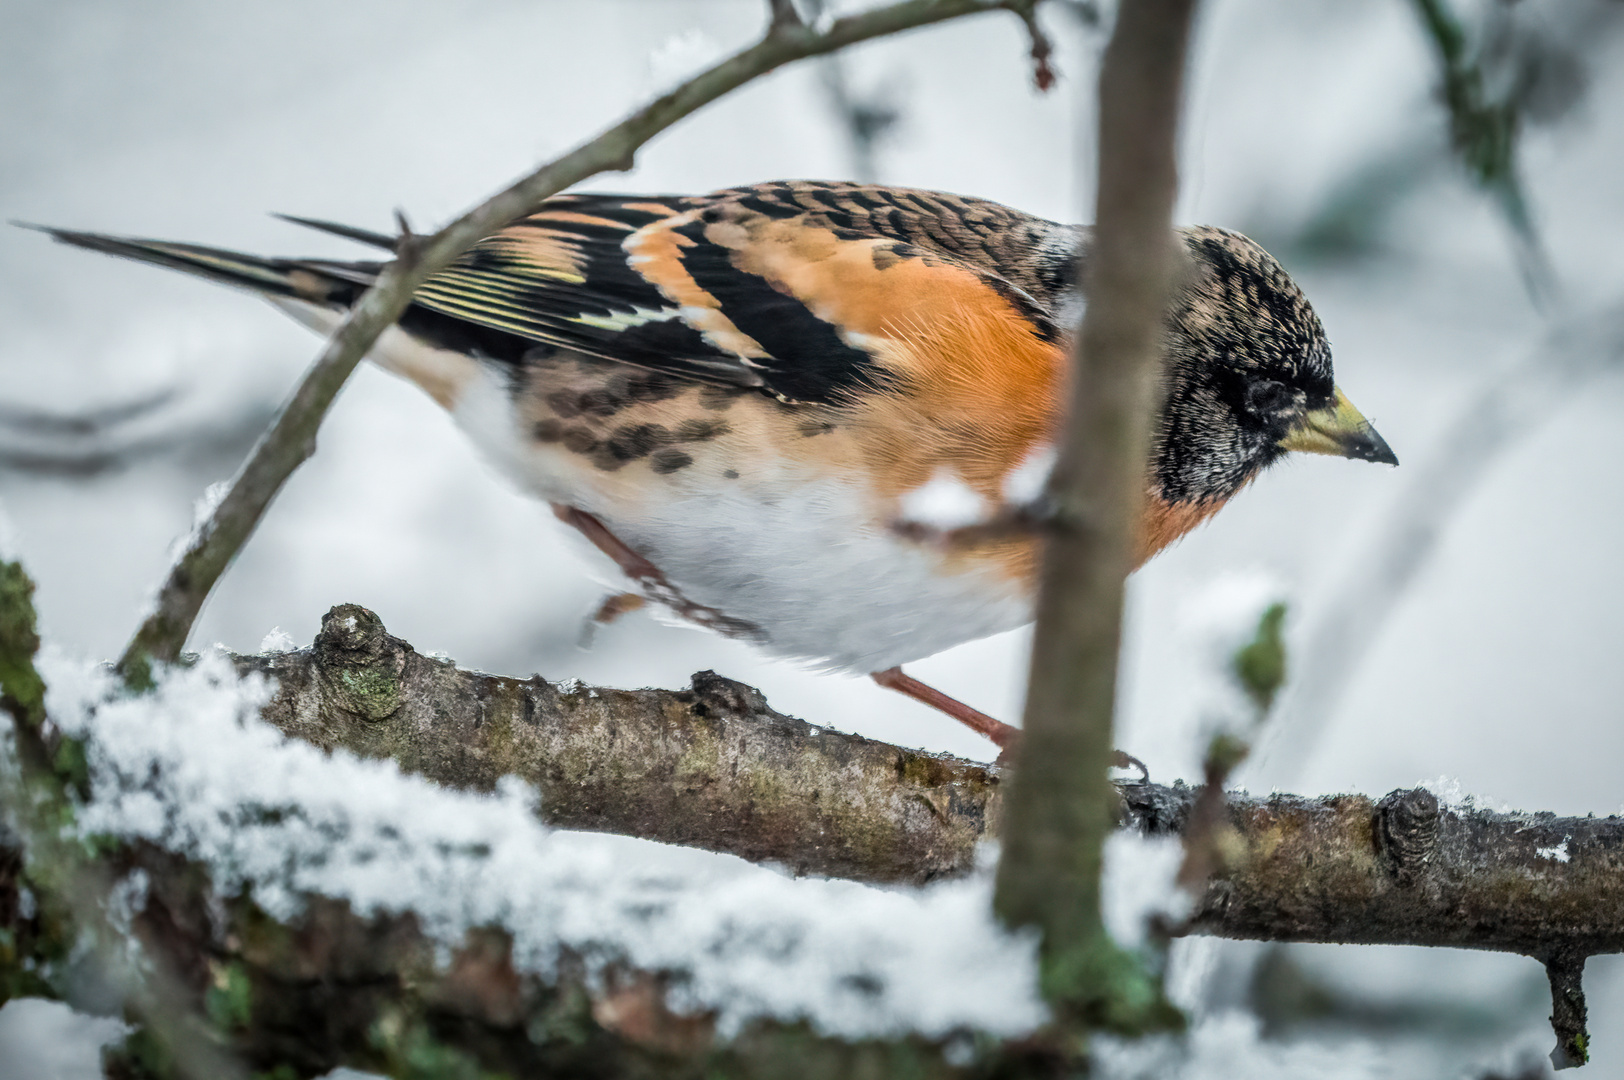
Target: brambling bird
[736,395]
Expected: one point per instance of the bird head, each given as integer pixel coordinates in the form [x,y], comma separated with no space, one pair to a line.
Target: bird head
[1248,376]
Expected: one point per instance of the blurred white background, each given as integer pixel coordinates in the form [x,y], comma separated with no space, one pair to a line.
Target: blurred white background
[1312,126]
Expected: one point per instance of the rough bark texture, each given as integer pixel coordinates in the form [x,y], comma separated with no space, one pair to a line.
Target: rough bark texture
[713,766]
[1330,869]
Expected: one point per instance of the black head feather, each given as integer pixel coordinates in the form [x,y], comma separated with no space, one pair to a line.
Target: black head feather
[1246,358]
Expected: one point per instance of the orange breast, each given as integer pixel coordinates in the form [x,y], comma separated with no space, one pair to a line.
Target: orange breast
[1162,522]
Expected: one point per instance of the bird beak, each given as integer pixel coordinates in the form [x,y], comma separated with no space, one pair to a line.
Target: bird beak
[1339,429]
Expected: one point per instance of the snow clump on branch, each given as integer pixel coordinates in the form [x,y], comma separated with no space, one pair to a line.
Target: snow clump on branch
[194,769]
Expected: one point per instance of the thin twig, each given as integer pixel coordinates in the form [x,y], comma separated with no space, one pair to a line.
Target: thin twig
[1347,627]
[1208,831]
[781,14]
[292,438]
[1059,812]
[1484,133]
[1008,521]
[1042,52]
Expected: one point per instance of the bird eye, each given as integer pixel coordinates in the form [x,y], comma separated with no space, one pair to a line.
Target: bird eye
[1266,395]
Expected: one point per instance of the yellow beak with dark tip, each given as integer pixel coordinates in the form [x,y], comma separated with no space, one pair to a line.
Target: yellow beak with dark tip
[1339,429]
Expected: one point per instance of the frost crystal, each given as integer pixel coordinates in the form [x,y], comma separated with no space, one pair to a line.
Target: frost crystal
[202,517]
[1559,852]
[943,502]
[1453,796]
[278,640]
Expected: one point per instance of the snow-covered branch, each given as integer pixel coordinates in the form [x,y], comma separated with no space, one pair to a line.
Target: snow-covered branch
[279,882]
[712,766]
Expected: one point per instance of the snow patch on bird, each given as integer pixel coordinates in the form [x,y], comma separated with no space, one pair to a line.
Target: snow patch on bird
[192,767]
[1026,482]
[942,502]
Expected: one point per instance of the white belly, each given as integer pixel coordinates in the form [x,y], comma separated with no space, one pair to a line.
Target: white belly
[807,559]
[802,561]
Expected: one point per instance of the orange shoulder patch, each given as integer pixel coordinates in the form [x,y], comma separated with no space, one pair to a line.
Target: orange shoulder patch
[978,387]
[656,252]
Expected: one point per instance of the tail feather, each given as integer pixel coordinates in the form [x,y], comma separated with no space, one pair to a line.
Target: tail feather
[314,280]
[348,232]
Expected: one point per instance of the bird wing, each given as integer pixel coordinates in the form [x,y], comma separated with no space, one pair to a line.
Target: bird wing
[804,290]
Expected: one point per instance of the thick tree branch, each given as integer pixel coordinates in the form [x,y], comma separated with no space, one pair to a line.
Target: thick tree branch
[291,439]
[331,987]
[712,766]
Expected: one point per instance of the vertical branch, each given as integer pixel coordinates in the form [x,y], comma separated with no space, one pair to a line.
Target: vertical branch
[1060,801]
[1568,1013]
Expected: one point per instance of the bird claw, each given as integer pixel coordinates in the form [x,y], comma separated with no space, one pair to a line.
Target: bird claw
[1121,760]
